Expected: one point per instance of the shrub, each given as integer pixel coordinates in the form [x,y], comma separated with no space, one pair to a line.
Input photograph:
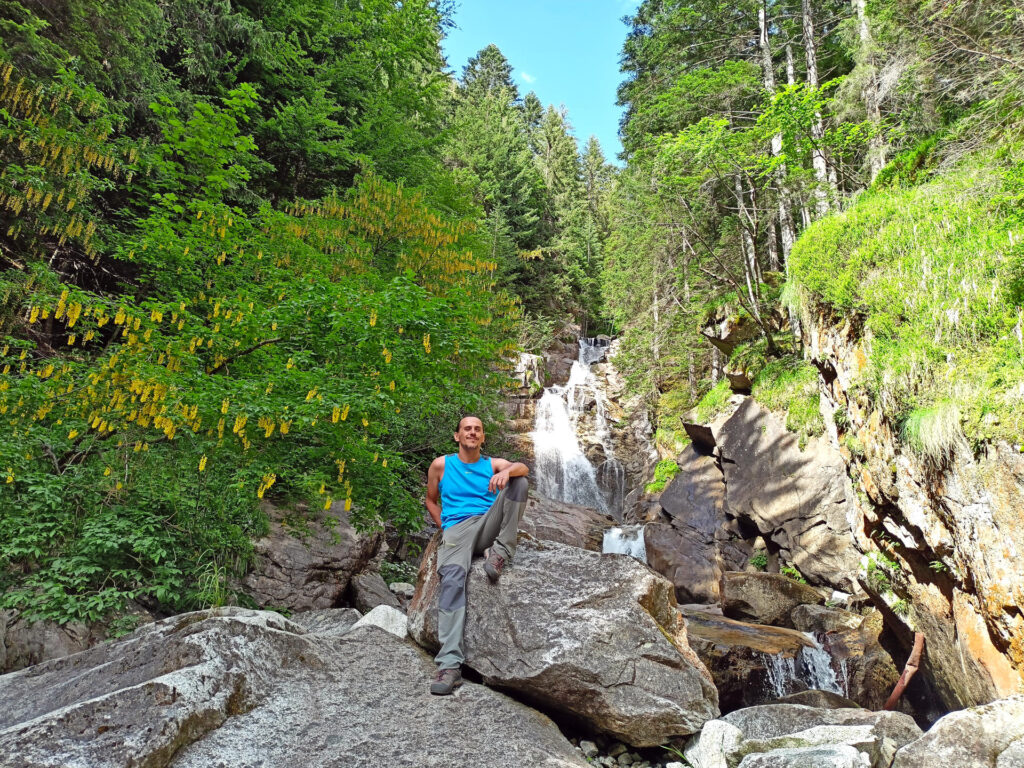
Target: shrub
[933,433]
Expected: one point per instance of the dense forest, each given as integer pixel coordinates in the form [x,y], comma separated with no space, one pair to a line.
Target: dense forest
[258,252]
[860,161]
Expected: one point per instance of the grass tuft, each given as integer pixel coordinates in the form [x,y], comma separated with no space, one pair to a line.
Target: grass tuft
[934,433]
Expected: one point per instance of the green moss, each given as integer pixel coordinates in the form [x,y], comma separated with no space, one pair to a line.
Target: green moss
[714,402]
[790,385]
[934,273]
[663,472]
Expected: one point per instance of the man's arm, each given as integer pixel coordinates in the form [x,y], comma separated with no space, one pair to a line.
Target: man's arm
[503,470]
[434,475]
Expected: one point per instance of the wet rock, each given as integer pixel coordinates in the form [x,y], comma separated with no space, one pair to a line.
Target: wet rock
[596,638]
[732,740]
[565,523]
[235,687]
[308,571]
[866,667]
[740,657]
[989,736]
[765,597]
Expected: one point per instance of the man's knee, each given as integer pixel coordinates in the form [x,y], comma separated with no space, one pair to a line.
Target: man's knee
[517,488]
[452,594]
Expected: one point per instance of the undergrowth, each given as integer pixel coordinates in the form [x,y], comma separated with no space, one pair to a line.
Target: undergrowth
[936,273]
[790,385]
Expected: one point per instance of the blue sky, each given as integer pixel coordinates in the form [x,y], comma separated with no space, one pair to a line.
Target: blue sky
[565,50]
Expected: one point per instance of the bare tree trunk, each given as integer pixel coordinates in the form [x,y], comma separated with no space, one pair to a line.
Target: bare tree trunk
[876,145]
[818,159]
[747,246]
[785,205]
[805,215]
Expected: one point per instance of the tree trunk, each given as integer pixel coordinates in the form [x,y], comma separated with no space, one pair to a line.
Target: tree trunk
[876,145]
[785,204]
[805,216]
[818,159]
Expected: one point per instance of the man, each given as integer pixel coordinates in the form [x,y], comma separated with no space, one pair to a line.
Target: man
[477,502]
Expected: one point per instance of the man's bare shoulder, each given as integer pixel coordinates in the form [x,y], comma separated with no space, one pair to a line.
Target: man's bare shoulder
[437,465]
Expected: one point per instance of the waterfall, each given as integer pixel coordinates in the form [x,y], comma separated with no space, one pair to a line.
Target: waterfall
[563,471]
[628,540]
[812,667]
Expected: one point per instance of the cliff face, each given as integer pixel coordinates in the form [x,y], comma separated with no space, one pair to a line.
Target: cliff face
[949,536]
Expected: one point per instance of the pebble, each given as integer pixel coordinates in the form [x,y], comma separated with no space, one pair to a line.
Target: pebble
[589,748]
[617,749]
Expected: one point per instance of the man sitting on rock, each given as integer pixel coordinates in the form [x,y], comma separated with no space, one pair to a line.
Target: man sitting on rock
[481,502]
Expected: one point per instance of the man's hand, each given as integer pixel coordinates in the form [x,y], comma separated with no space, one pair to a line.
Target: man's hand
[498,481]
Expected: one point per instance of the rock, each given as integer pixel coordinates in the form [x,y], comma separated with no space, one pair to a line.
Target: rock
[234,687]
[820,618]
[596,638]
[744,659]
[24,643]
[831,756]
[402,589]
[819,699]
[310,572]
[388,618]
[958,526]
[589,748]
[730,741]
[989,736]
[699,543]
[868,669]
[764,597]
[329,622]
[799,499]
[369,590]
[565,523]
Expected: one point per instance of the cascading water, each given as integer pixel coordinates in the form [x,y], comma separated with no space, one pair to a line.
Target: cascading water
[627,540]
[563,470]
[812,667]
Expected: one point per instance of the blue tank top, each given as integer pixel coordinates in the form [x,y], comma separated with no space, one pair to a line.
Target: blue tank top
[464,489]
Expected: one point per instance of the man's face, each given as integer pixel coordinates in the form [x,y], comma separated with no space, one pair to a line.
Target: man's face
[471,433]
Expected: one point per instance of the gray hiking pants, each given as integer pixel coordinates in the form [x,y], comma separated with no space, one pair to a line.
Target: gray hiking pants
[497,528]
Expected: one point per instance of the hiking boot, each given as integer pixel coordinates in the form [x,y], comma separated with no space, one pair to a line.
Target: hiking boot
[445,681]
[493,565]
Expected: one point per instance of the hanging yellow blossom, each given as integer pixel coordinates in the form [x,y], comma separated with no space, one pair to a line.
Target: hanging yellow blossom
[106,472]
[426,342]
[202,463]
[328,502]
[373,318]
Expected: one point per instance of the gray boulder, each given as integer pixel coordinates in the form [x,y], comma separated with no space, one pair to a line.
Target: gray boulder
[247,688]
[765,597]
[822,619]
[800,499]
[309,569]
[727,743]
[370,590]
[24,643]
[594,637]
[700,541]
[989,736]
[829,756]
[565,523]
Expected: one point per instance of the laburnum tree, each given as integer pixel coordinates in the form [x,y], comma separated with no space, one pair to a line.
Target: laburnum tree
[157,381]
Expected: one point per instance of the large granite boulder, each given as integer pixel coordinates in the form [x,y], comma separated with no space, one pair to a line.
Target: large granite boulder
[775,730]
[768,598]
[565,523]
[234,687]
[307,568]
[799,499]
[700,541]
[594,637]
[989,736]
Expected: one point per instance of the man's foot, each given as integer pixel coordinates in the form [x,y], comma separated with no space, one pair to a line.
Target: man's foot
[445,681]
[493,565]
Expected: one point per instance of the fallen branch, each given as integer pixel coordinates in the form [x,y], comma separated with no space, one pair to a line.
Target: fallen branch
[908,672]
